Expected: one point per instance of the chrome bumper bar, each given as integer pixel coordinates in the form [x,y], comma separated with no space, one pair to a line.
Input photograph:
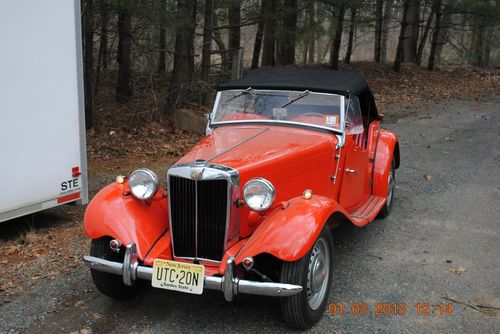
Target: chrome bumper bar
[228,284]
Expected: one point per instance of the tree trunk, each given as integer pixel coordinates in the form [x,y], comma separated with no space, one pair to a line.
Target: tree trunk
[351,35]
[268,51]
[217,36]
[258,38]
[402,36]
[334,55]
[162,42]
[443,35]
[234,34]
[207,39]
[102,58]
[123,84]
[286,52]
[412,31]
[425,34]
[88,37]
[378,30]
[182,71]
[385,31]
[435,34]
[312,28]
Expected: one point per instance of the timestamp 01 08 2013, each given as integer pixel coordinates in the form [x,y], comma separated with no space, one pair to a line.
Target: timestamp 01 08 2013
[391,309]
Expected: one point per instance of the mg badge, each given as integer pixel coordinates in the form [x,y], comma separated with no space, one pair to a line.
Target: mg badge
[197,173]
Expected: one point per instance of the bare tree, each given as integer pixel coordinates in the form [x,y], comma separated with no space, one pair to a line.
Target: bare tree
[435,34]
[269,45]
[378,30]
[412,31]
[162,38]
[207,39]
[123,84]
[402,36]
[352,27]
[257,45]
[234,34]
[286,40]
[88,26]
[425,35]
[334,55]
[182,71]
[385,30]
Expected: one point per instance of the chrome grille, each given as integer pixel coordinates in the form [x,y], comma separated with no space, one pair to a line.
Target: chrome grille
[199,213]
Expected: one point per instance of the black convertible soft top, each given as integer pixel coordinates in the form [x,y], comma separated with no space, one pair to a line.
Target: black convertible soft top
[316,80]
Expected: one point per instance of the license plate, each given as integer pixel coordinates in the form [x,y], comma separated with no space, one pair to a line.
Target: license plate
[178,276]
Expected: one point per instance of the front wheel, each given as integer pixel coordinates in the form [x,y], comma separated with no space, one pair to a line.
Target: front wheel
[314,273]
[109,284]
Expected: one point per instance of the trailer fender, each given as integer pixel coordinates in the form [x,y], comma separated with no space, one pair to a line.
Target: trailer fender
[387,149]
[289,233]
[116,213]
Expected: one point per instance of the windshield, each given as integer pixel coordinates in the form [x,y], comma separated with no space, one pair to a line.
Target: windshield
[315,109]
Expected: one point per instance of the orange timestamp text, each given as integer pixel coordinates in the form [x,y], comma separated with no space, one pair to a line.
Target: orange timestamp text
[392,309]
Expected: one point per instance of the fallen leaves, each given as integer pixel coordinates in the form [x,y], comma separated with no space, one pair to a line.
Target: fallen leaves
[459,270]
[428,177]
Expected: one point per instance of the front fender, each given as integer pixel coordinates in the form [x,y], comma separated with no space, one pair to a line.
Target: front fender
[289,233]
[387,149]
[114,212]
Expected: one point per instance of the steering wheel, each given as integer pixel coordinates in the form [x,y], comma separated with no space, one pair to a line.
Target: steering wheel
[311,114]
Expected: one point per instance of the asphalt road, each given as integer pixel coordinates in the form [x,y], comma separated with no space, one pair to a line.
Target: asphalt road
[442,239]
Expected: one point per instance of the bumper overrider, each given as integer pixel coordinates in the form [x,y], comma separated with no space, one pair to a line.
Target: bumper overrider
[228,284]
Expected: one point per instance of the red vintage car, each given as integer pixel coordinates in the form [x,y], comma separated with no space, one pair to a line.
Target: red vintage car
[289,154]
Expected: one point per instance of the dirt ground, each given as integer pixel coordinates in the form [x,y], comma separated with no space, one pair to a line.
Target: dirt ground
[440,245]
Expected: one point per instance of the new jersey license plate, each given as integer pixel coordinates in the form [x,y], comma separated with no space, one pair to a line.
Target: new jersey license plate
[178,276]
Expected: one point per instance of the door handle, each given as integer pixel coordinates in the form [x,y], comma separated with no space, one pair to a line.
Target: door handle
[351,171]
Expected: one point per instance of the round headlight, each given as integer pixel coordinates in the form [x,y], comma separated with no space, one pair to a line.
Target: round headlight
[258,194]
[143,183]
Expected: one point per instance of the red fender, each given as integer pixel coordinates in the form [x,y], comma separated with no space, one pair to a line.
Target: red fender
[387,147]
[116,213]
[289,233]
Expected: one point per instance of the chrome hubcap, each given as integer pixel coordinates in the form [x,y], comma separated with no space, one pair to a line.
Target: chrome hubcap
[390,187]
[318,272]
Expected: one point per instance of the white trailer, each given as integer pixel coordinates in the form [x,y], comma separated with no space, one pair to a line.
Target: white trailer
[42,128]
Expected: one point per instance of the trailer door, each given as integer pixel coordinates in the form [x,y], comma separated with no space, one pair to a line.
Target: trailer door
[42,134]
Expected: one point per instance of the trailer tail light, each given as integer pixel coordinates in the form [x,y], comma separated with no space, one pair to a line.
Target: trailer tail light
[76,171]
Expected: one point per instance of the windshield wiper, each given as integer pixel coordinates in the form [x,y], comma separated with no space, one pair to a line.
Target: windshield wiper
[246,91]
[301,96]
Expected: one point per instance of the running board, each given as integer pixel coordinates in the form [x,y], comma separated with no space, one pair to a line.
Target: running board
[368,210]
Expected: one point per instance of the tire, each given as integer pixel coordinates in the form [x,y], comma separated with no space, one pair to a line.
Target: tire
[109,284]
[304,310]
[391,186]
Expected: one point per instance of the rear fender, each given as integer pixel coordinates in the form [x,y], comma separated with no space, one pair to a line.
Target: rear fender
[116,213]
[289,233]
[387,149]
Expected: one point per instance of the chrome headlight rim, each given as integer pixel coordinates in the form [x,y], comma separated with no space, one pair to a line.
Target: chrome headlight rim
[270,187]
[153,178]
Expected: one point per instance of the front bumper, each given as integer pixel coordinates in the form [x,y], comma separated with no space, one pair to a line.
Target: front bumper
[227,284]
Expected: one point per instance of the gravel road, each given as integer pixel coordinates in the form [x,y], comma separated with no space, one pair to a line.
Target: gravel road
[442,239]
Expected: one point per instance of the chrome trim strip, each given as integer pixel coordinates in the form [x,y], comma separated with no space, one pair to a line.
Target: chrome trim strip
[211,172]
[228,284]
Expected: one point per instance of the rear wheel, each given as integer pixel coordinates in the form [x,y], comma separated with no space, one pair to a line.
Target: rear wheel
[314,273]
[109,284]
[391,185]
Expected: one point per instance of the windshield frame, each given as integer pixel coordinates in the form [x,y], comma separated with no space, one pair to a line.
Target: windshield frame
[212,124]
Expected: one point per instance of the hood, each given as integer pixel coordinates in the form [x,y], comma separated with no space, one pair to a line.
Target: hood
[245,147]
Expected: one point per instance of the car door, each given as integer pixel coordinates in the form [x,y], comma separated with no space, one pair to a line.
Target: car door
[355,180]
